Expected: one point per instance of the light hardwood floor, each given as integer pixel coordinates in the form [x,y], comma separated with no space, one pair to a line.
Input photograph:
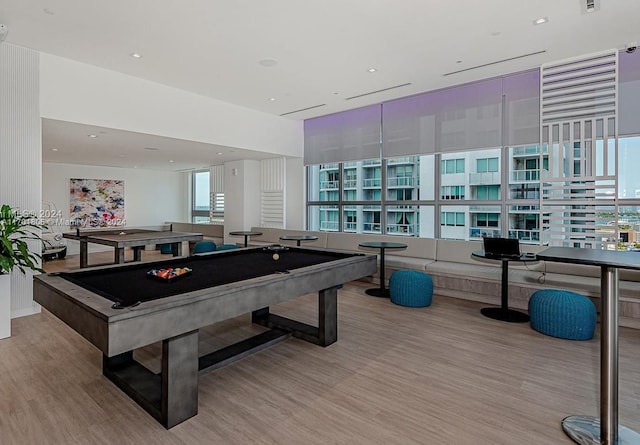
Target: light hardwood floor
[438,375]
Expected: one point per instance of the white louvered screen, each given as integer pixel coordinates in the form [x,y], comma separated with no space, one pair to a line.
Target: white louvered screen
[216,194]
[578,130]
[271,209]
[272,185]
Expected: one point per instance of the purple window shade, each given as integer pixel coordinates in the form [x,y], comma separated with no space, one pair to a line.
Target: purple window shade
[522,108]
[628,94]
[460,118]
[347,136]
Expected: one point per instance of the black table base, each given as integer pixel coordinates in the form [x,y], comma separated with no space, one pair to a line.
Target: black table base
[377,292]
[510,315]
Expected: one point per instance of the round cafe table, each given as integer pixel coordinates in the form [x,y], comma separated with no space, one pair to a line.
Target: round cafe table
[246,234]
[298,238]
[382,246]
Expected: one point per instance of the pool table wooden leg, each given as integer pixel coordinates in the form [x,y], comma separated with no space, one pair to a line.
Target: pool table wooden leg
[171,397]
[179,378]
[328,316]
[325,334]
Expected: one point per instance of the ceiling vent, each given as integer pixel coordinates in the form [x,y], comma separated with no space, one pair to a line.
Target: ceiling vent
[496,62]
[378,91]
[303,109]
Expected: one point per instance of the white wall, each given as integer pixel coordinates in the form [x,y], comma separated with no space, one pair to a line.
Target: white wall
[151,197]
[20,159]
[241,197]
[77,92]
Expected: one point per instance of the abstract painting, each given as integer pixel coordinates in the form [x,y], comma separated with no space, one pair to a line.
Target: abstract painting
[97,203]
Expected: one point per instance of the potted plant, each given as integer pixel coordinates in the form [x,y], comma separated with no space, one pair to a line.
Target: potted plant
[16,230]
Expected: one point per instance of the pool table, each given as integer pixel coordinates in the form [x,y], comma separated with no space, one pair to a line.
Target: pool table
[136,239]
[119,308]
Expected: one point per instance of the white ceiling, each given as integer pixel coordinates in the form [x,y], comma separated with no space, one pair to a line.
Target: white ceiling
[322,49]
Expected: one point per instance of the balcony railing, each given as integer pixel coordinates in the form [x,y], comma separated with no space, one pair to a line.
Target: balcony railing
[532,150]
[525,175]
[372,163]
[404,229]
[329,226]
[405,160]
[329,185]
[484,178]
[373,182]
[350,183]
[484,209]
[371,227]
[525,235]
[479,232]
[401,181]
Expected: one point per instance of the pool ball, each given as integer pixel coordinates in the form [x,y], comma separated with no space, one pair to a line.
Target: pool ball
[276,256]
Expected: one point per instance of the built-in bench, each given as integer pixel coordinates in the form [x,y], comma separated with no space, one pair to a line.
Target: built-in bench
[210,232]
[456,273]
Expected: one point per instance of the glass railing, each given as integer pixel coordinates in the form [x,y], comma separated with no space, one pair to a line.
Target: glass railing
[350,183]
[373,182]
[525,175]
[329,185]
[371,227]
[525,235]
[405,229]
[329,225]
[401,181]
[480,232]
[484,178]
[372,163]
[405,160]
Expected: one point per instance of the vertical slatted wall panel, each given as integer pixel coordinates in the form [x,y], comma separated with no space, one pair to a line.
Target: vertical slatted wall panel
[578,125]
[272,185]
[216,194]
[20,150]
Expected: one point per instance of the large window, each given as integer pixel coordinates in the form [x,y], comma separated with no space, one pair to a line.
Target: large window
[490,158]
[201,197]
[451,166]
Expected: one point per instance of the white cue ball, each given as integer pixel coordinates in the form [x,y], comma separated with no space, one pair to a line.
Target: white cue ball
[276,256]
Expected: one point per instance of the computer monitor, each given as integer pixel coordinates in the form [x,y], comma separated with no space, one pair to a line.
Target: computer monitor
[501,247]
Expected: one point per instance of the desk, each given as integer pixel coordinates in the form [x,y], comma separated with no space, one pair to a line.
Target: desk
[134,238]
[503,312]
[298,238]
[590,429]
[246,235]
[382,246]
[222,285]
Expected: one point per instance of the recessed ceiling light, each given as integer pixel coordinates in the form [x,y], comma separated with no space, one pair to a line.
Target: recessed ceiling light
[541,20]
[372,70]
[136,55]
[170,161]
[268,62]
[219,153]
[272,99]
[92,136]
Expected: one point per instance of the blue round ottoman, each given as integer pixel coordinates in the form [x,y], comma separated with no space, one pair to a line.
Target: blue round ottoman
[411,288]
[562,314]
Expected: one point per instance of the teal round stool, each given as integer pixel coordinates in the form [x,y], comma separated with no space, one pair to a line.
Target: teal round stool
[204,247]
[563,314]
[411,288]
